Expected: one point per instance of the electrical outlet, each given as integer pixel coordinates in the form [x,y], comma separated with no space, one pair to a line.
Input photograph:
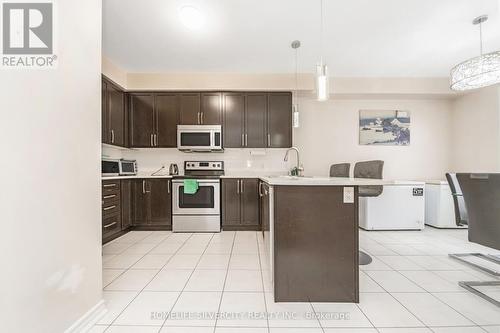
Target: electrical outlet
[348,194]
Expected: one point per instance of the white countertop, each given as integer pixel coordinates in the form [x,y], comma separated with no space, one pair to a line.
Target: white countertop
[334,181]
[436,182]
[138,176]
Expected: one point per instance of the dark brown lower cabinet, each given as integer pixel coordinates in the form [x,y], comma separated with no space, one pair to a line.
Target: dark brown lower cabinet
[111,209]
[264,212]
[240,204]
[152,202]
[126,203]
[315,245]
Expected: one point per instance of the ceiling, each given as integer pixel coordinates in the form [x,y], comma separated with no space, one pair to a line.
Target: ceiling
[362,38]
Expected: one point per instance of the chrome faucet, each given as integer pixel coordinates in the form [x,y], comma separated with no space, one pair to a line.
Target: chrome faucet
[298,170]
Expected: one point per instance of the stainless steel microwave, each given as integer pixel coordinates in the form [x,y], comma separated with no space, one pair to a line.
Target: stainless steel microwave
[115,167]
[199,138]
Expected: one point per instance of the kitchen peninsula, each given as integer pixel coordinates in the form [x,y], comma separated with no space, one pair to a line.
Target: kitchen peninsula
[310,228]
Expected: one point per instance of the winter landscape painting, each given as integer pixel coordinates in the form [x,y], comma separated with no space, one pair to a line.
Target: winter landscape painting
[384,127]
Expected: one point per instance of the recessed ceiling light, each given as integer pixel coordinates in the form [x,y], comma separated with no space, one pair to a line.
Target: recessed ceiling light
[191,17]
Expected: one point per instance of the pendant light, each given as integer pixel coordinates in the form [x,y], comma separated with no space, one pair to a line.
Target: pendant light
[322,80]
[295,97]
[478,72]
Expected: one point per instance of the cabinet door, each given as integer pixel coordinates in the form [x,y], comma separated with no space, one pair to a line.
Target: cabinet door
[279,120]
[141,120]
[139,201]
[231,210]
[264,209]
[167,114]
[190,109]
[250,202]
[211,109]
[160,202]
[104,112]
[234,111]
[255,120]
[116,107]
[126,202]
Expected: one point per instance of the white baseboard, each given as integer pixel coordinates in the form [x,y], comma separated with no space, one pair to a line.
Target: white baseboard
[89,319]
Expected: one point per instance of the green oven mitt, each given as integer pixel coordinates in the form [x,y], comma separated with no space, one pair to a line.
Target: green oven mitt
[190,186]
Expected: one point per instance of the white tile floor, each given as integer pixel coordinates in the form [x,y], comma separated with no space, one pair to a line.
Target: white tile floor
[411,286]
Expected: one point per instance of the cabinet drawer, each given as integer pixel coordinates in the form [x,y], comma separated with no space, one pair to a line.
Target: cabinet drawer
[111,225]
[110,187]
[109,199]
[111,208]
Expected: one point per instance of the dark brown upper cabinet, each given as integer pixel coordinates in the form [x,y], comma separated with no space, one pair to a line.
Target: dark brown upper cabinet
[211,109]
[240,204]
[279,120]
[234,120]
[167,118]
[256,120]
[142,120]
[190,109]
[153,120]
[114,115]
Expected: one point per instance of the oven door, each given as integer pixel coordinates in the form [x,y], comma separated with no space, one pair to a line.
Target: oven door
[206,201]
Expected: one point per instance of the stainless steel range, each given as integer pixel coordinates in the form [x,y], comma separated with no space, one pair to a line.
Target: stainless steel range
[198,212]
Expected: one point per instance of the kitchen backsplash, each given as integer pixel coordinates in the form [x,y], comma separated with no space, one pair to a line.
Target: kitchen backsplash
[236,160]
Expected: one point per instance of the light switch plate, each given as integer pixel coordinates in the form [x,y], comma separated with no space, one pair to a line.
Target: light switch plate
[348,194]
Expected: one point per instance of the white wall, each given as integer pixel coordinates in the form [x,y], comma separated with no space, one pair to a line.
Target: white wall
[476,131]
[261,161]
[50,206]
[329,134]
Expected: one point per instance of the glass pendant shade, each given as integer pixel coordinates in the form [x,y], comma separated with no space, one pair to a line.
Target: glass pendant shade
[477,72]
[296,120]
[322,84]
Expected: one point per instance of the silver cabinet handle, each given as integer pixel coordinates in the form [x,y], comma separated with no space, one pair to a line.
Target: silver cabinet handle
[109,185]
[143,187]
[156,140]
[168,186]
[112,136]
[109,208]
[202,114]
[242,185]
[109,225]
[109,196]
[242,140]
[238,186]
[260,189]
[151,140]
[246,140]
[199,122]
[269,140]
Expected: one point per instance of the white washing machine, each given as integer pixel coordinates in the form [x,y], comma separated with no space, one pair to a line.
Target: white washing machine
[439,207]
[401,206]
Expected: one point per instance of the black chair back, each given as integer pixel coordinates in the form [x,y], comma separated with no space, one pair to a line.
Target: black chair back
[373,170]
[340,170]
[461,217]
[481,193]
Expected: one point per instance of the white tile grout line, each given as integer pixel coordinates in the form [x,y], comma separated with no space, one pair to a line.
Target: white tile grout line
[128,304]
[126,269]
[234,239]
[187,281]
[426,292]
[262,281]
[225,279]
